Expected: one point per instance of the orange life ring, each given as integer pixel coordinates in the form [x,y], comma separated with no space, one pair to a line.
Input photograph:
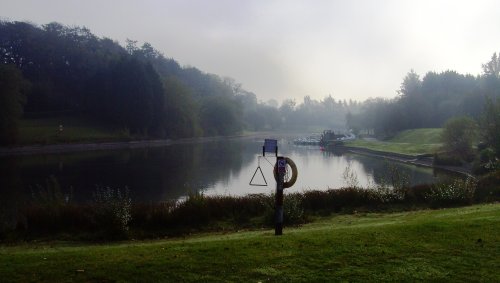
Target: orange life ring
[293,178]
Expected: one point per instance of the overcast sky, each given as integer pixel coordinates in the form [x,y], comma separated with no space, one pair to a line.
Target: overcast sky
[289,49]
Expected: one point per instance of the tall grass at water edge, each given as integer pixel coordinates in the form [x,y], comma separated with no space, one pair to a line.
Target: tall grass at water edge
[112,215]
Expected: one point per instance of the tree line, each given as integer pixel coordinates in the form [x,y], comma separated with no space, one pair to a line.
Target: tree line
[308,115]
[53,69]
[429,102]
[466,107]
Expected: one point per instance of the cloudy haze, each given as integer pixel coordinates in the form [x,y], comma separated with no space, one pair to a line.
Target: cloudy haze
[289,49]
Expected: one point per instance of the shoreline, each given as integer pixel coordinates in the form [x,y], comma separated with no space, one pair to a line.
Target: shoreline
[423,160]
[95,146]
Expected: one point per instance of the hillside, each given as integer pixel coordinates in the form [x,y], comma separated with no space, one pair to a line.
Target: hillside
[59,72]
[453,245]
[419,136]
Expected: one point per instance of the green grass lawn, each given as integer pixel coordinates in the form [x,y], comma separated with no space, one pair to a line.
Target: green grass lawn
[412,142]
[452,245]
[419,136]
[46,131]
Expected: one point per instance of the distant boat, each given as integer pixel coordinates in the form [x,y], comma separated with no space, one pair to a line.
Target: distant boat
[329,138]
[311,140]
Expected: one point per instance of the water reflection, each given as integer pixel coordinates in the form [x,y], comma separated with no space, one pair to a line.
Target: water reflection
[218,167]
[320,170]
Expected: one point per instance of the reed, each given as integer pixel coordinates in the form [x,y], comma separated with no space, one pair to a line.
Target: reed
[113,216]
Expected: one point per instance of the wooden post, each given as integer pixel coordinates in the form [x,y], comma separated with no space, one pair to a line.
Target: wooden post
[278,222]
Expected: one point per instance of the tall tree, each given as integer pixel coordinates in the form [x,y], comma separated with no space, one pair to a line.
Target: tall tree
[458,136]
[490,125]
[413,101]
[492,68]
[129,94]
[490,80]
[220,115]
[411,84]
[180,113]
[73,70]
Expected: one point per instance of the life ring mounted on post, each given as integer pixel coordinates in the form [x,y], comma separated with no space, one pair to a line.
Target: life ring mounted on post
[289,180]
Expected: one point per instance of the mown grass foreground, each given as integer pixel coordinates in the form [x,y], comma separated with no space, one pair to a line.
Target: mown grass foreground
[412,142]
[458,244]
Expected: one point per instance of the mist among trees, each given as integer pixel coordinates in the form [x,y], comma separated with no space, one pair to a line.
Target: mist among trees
[430,101]
[73,72]
[54,70]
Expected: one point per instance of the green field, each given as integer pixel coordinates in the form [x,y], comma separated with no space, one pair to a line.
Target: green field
[46,131]
[412,142]
[452,245]
[419,136]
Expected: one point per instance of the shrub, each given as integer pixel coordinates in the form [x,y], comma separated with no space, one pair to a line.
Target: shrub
[350,177]
[458,136]
[488,188]
[397,178]
[418,194]
[51,195]
[112,210]
[49,211]
[293,210]
[350,198]
[112,215]
[199,210]
[486,162]
[447,159]
[455,193]
[318,201]
[385,194]
[152,216]
[39,220]
[7,221]
[337,200]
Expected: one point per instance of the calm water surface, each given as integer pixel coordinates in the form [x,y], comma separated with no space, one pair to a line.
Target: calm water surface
[171,172]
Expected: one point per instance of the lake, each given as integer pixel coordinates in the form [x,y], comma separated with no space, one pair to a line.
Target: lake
[222,167]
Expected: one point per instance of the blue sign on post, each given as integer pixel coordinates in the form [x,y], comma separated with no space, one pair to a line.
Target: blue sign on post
[270,146]
[282,166]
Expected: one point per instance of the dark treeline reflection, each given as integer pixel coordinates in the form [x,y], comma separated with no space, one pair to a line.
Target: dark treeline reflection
[151,174]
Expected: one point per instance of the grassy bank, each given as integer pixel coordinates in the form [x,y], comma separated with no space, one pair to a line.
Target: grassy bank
[457,245]
[412,142]
[46,131]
